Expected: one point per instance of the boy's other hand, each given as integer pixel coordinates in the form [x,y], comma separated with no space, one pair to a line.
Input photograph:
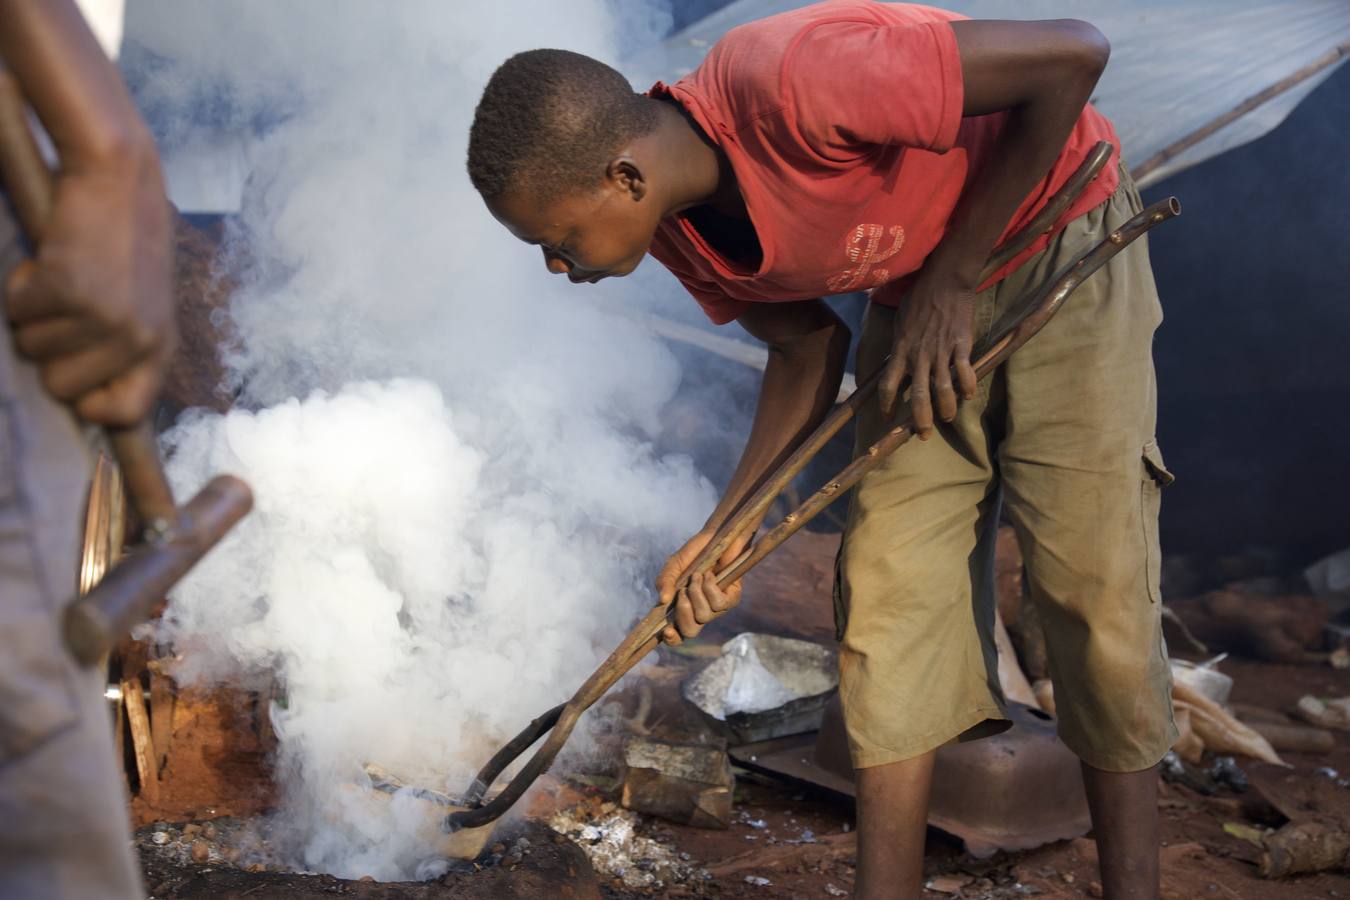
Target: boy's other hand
[94,308]
[702,600]
[933,327]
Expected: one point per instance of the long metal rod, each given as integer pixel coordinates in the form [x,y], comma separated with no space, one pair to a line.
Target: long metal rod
[643,638]
[1146,168]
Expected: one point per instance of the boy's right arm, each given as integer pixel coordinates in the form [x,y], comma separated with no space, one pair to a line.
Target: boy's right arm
[808,348]
[94,308]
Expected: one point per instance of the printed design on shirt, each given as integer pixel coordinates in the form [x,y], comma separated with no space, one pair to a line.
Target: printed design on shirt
[862,246]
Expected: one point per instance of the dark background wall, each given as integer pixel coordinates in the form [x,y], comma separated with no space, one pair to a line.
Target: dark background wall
[1254,355]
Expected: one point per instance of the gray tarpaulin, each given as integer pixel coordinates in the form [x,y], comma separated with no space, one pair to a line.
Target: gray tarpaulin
[1175,66]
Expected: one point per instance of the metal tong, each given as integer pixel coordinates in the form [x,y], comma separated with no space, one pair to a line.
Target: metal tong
[1037,308]
[174,538]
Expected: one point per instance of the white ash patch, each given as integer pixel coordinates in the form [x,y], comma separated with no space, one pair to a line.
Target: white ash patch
[616,849]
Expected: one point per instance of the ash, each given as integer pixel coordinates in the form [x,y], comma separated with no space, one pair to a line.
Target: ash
[609,836]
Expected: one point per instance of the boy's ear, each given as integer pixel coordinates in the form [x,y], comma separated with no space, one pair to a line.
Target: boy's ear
[624,174]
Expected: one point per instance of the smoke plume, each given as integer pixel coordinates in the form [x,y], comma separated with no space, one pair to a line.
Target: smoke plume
[459,503]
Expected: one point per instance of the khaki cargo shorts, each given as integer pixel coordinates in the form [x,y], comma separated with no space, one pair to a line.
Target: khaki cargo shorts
[1061,436]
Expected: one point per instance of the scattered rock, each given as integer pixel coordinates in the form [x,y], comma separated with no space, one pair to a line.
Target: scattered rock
[1305,847]
[948,884]
[687,783]
[201,851]
[1334,713]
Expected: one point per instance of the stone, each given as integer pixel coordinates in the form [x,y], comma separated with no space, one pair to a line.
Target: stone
[948,884]
[686,783]
[201,851]
[1328,713]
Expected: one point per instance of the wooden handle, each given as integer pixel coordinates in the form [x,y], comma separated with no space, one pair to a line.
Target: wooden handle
[29,184]
[137,453]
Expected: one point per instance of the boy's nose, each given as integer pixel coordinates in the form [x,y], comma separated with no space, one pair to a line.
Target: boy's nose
[556,264]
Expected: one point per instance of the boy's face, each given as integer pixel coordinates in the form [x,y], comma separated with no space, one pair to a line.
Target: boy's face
[589,235]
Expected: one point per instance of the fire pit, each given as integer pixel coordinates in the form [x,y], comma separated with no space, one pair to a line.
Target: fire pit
[236,857]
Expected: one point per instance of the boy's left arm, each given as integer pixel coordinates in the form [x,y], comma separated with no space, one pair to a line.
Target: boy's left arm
[1042,74]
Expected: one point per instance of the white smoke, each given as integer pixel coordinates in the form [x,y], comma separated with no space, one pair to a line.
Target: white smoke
[458,504]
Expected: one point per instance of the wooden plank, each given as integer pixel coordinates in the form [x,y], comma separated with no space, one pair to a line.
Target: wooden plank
[120,740]
[161,713]
[141,741]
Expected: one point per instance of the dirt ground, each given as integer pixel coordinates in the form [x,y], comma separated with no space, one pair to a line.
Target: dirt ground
[1199,858]
[794,841]
[786,840]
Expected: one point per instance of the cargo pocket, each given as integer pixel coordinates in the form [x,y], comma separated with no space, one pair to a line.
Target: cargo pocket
[840,609]
[1153,479]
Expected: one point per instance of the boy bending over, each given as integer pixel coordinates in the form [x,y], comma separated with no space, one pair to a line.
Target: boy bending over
[890,147]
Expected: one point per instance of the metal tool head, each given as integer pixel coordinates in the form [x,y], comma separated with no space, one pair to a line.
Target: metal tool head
[141,579]
[432,809]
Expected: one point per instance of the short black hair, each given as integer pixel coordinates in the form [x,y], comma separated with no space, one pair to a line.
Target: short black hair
[549,121]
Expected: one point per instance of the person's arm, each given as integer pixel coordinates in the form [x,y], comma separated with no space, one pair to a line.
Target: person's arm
[808,346]
[1042,74]
[94,308]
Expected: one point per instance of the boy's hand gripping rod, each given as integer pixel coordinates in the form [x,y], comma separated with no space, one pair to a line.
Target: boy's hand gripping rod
[174,539]
[1038,307]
